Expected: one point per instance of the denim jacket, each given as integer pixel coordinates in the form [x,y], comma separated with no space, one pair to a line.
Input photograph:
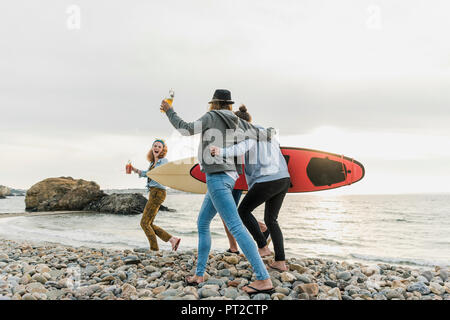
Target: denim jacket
[263,160]
[152,183]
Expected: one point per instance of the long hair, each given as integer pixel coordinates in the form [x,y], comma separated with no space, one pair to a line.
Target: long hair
[220,105]
[151,157]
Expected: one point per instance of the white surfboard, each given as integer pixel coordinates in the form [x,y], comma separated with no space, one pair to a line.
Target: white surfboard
[176,175]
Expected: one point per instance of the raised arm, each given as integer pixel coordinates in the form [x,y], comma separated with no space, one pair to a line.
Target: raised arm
[188,128]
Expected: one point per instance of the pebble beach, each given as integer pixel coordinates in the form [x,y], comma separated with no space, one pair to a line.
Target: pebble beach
[55,272]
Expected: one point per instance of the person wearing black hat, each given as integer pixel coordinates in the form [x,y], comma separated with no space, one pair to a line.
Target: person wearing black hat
[222,96]
[221,174]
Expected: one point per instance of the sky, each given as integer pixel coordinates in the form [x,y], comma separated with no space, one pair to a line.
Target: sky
[81,83]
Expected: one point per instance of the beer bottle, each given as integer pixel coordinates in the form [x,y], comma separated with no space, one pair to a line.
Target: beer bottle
[128,167]
[170,97]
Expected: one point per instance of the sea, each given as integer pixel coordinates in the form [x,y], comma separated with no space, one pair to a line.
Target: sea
[410,229]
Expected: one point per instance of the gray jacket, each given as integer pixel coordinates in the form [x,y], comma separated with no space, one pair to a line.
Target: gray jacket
[220,128]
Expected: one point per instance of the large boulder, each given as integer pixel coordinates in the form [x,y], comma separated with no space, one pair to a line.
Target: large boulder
[64,193]
[4,191]
[126,203]
[121,203]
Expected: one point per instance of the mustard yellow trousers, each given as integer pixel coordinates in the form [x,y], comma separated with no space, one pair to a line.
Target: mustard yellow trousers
[155,198]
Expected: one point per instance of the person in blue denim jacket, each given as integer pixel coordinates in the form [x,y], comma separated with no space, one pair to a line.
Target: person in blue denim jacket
[156,196]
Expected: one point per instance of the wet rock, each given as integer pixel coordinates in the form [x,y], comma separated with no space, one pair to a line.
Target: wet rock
[261,296]
[231,293]
[215,282]
[124,203]
[394,294]
[312,289]
[168,293]
[443,274]
[335,293]
[90,269]
[128,291]
[150,269]
[303,296]
[369,271]
[304,278]
[131,260]
[372,285]
[278,296]
[28,296]
[55,294]
[428,275]
[39,278]
[282,290]
[234,283]
[287,277]
[379,296]
[192,291]
[159,290]
[234,259]
[64,193]
[35,287]
[42,268]
[331,284]
[26,278]
[419,287]
[422,279]
[296,267]
[209,291]
[225,273]
[4,192]
[344,275]
[437,288]
[398,284]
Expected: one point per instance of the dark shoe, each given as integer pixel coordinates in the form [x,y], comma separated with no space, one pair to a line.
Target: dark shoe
[235,252]
[256,291]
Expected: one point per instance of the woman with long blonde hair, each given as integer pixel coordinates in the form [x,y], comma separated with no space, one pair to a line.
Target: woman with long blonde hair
[156,196]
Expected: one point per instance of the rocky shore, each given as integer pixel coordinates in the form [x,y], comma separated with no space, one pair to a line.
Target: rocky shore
[55,272]
[68,194]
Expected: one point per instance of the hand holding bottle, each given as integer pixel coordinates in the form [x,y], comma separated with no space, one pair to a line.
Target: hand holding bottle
[165,106]
[167,102]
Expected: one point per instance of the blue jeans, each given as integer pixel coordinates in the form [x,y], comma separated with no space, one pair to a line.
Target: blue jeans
[220,198]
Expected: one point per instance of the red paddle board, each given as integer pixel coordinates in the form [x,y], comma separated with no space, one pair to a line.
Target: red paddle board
[310,170]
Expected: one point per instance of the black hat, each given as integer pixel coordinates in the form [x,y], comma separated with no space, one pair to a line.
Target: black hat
[222,95]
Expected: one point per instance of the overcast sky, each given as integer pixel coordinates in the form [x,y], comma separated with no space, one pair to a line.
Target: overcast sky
[81,83]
